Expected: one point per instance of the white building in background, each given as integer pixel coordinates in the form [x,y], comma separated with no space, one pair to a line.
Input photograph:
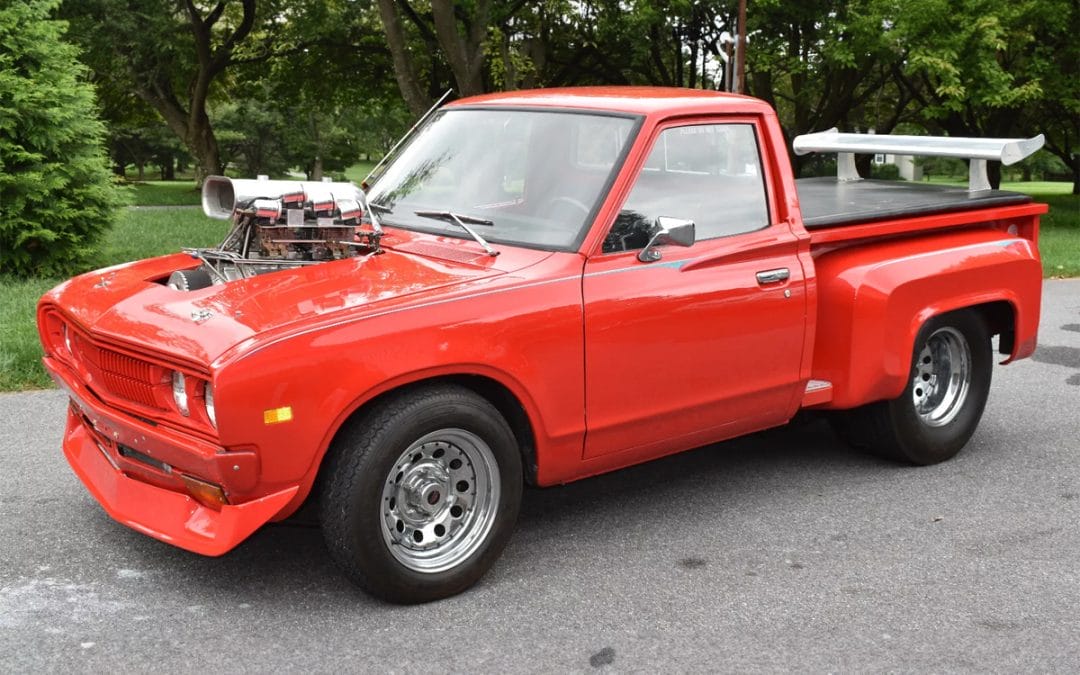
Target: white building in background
[909,170]
[906,163]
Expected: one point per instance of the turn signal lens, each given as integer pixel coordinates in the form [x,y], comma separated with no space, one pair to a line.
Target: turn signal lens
[207,494]
[179,392]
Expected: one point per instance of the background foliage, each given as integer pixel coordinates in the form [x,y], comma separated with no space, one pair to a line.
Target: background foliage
[268,86]
[56,195]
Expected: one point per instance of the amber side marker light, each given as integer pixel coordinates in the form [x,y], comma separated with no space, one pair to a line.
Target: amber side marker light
[277,415]
[207,494]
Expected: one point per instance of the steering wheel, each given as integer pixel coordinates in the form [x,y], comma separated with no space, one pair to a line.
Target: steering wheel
[554,201]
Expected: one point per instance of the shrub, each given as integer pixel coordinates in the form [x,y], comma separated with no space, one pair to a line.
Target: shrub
[885,171]
[56,193]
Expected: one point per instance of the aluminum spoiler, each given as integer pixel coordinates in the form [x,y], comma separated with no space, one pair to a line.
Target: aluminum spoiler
[978,150]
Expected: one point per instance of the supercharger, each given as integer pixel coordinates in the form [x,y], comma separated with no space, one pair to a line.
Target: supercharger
[278,224]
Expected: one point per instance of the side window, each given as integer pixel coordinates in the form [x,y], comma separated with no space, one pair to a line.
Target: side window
[708,173]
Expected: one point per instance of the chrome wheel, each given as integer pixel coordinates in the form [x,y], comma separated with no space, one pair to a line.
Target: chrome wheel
[440,500]
[942,377]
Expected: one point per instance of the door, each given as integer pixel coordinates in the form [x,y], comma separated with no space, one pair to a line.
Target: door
[706,342]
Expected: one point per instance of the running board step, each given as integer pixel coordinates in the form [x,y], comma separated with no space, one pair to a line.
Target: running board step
[817,392]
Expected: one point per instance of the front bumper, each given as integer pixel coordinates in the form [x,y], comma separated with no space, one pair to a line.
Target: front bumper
[143,496]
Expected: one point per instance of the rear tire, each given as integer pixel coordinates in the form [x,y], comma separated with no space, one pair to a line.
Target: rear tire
[421,494]
[939,409]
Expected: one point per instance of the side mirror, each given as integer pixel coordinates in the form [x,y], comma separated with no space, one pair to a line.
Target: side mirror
[674,231]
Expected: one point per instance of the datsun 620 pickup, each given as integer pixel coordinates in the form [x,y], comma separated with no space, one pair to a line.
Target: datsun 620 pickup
[539,287]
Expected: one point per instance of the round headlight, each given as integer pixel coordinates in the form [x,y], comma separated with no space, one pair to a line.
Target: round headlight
[208,399]
[179,393]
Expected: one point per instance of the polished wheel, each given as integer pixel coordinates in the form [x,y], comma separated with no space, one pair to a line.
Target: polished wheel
[419,492]
[943,398]
[440,500]
[942,377]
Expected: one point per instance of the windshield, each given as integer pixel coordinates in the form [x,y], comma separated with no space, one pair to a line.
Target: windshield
[536,175]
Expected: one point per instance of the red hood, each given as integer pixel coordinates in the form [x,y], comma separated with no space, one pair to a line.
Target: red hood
[126,303]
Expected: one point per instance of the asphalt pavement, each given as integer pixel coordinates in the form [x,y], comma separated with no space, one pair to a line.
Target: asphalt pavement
[779,551]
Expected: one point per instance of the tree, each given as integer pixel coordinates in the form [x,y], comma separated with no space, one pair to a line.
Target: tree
[335,75]
[136,135]
[657,42]
[975,66]
[170,53]
[1056,51]
[56,194]
[453,33]
[251,132]
[827,63]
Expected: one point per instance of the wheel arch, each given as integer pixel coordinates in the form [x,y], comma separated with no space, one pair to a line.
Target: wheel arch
[870,313]
[511,405]
[999,315]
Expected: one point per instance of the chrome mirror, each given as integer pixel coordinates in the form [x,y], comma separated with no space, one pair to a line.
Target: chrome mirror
[674,231]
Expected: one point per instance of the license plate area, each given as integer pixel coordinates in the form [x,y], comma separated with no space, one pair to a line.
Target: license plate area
[134,455]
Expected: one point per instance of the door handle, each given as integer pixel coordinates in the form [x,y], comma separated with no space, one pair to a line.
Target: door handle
[773,276]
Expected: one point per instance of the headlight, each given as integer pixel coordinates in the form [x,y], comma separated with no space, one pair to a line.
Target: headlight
[179,393]
[208,399]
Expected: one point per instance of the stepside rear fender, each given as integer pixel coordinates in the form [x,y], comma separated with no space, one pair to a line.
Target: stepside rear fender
[874,297]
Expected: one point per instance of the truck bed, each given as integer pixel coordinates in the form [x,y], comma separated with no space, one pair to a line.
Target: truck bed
[827,202]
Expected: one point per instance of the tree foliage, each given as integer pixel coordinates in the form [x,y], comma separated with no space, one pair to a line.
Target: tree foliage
[330,79]
[56,194]
[170,53]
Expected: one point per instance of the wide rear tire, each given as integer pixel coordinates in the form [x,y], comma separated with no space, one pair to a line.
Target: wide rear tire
[420,494]
[939,409]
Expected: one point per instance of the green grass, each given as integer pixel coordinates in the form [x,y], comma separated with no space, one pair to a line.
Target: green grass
[20,351]
[1059,230]
[1039,187]
[145,233]
[357,172]
[1034,188]
[1059,235]
[166,193]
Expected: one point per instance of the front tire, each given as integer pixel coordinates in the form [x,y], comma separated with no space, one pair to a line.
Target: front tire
[939,409]
[421,493]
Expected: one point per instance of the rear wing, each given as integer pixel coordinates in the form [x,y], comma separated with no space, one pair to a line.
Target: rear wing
[978,150]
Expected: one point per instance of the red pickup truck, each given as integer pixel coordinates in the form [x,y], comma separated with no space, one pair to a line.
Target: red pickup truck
[540,287]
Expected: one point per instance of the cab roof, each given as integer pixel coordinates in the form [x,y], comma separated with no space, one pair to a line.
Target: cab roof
[634,100]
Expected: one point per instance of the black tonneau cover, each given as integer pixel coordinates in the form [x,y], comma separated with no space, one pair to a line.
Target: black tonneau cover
[827,202]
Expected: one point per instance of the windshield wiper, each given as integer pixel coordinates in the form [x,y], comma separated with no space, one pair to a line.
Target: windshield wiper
[380,208]
[461,221]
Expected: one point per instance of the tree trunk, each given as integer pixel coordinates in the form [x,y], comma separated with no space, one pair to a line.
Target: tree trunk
[317,168]
[464,53]
[188,120]
[204,147]
[864,164]
[141,165]
[1075,164]
[404,70]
